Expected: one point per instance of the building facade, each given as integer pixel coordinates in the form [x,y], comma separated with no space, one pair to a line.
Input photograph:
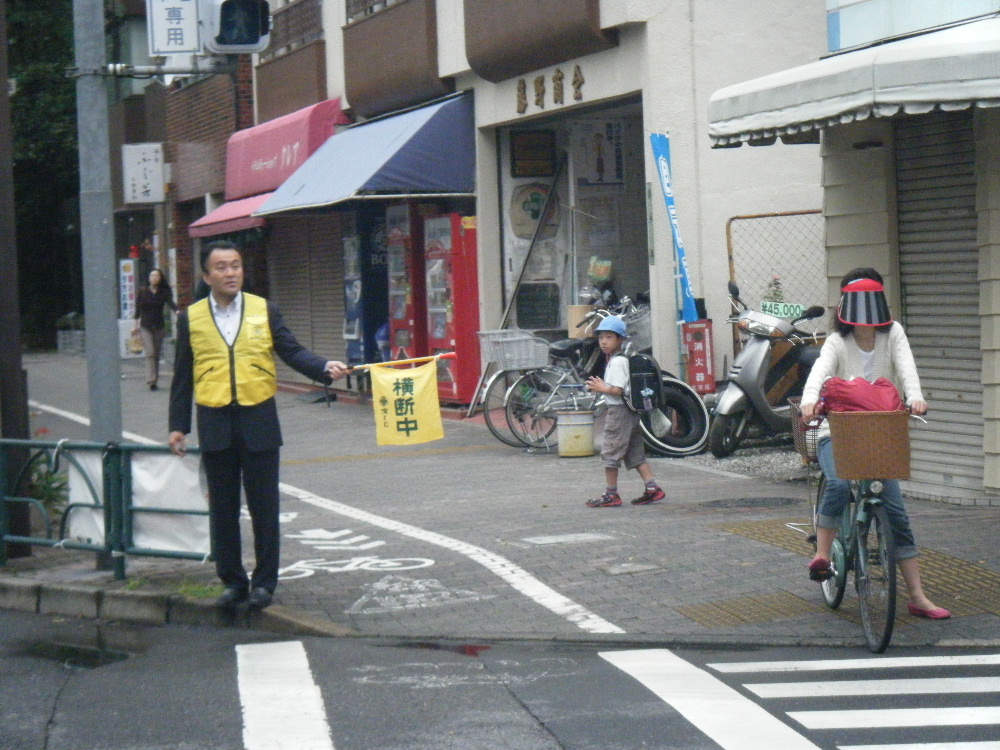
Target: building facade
[908,108]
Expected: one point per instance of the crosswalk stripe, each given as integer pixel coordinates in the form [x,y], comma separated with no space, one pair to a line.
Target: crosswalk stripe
[282,705]
[955,660]
[986,745]
[875,687]
[898,717]
[725,716]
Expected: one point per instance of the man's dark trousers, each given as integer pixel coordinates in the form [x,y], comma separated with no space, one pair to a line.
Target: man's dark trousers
[258,470]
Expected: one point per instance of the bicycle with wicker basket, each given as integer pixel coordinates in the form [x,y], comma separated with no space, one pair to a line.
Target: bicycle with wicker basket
[868,449]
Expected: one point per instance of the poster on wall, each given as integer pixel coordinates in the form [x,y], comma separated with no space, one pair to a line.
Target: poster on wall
[352,288]
[526,205]
[597,153]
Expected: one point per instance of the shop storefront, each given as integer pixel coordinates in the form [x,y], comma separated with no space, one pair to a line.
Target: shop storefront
[396,196]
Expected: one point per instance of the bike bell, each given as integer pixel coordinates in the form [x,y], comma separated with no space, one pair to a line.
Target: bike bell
[863,303]
[612,323]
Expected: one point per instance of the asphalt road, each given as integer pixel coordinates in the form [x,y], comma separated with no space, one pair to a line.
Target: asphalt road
[78,685]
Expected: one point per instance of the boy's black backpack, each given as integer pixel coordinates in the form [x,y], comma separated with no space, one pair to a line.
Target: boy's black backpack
[645,384]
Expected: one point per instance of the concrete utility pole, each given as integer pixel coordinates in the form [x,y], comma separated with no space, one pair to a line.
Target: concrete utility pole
[13,389]
[100,270]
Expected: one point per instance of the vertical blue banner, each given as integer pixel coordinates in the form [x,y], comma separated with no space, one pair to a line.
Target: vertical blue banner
[661,153]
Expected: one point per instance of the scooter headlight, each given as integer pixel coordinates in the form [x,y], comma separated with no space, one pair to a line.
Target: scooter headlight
[758,327]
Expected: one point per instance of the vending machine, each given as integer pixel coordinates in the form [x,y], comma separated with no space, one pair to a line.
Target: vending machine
[453,303]
[407,299]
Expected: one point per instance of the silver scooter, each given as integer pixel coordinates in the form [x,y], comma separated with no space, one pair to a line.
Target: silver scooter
[758,388]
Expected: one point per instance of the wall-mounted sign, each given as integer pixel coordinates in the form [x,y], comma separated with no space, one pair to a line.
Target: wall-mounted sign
[144,172]
[533,153]
[540,90]
[526,204]
[173,27]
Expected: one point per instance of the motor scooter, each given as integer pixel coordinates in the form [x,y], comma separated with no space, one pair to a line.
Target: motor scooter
[771,367]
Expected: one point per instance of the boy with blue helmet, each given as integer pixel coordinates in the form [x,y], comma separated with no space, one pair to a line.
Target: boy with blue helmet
[622,431]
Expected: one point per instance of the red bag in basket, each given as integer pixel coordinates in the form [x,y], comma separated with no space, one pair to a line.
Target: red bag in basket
[858,394]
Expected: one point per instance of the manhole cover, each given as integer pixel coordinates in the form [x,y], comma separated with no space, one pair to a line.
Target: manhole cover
[76,657]
[753,502]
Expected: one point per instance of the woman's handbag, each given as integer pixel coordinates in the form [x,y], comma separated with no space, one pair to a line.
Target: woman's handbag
[859,394]
[135,343]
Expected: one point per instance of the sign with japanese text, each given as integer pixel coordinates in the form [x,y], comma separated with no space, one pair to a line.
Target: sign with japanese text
[698,343]
[126,289]
[406,404]
[144,172]
[173,27]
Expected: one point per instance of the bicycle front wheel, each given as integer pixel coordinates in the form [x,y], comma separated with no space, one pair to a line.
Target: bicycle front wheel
[530,412]
[494,407]
[833,588]
[875,577]
[678,426]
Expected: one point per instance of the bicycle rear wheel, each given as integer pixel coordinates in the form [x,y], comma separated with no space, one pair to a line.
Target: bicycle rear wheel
[494,406]
[679,425]
[832,588]
[530,414]
[875,577]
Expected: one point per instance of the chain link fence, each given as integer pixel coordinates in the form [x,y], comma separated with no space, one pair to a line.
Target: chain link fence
[779,262]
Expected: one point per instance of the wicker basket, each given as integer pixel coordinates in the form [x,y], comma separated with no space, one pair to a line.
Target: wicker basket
[871,444]
[514,350]
[805,437]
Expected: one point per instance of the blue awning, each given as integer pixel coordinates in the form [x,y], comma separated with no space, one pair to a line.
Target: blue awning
[426,151]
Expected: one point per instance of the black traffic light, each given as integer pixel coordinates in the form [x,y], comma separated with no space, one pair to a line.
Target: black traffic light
[235,26]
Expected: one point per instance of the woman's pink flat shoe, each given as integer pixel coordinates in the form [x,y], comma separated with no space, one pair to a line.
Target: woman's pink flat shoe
[937,613]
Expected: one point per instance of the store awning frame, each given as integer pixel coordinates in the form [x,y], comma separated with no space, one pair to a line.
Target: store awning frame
[232,216]
[424,152]
[949,69]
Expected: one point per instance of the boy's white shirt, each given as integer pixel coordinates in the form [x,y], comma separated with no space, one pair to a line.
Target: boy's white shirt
[617,374]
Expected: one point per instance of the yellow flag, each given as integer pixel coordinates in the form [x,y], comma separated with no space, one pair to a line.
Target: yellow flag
[406,404]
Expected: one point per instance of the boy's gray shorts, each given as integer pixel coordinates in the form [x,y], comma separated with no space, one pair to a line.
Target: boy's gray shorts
[622,438]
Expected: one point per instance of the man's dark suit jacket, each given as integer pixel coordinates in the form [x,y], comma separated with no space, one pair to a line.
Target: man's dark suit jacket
[258,425]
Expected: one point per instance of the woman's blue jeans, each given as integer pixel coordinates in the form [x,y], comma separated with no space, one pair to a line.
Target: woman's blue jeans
[838,492]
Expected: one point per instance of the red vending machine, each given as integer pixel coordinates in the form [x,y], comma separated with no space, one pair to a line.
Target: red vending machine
[453,303]
[407,299]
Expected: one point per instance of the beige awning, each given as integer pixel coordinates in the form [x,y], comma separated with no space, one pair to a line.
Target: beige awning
[951,69]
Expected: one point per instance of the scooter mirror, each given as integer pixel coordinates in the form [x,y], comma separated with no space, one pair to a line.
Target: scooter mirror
[734,289]
[815,311]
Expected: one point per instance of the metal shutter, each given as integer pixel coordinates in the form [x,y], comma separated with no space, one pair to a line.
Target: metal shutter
[288,264]
[326,286]
[939,261]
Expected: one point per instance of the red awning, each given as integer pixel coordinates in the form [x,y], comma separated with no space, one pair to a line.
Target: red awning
[230,217]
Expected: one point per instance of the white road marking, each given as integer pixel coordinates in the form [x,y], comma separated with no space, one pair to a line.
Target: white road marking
[898,717]
[282,705]
[875,687]
[957,660]
[515,576]
[725,716]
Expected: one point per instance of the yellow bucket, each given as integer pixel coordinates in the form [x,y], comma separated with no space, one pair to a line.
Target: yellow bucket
[575,433]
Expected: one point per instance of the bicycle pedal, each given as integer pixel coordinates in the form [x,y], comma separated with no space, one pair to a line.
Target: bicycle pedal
[811,539]
[820,575]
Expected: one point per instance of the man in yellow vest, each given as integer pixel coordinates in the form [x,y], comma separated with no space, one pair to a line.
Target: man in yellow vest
[225,360]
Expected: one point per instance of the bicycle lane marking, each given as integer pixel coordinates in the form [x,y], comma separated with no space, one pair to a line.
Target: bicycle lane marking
[518,578]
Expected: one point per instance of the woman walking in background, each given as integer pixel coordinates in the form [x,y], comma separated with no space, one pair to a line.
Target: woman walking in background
[149,322]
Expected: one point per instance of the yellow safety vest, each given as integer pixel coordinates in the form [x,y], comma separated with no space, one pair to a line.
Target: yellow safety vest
[243,373]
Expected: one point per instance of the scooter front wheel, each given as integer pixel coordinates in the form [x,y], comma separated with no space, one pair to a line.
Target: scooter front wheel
[726,433]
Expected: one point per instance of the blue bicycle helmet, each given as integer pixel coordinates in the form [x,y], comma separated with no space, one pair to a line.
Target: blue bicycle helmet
[614,324]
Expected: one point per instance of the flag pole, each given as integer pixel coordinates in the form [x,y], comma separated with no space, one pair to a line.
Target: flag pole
[411,361]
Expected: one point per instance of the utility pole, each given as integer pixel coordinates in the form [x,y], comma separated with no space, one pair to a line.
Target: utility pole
[100,300]
[13,388]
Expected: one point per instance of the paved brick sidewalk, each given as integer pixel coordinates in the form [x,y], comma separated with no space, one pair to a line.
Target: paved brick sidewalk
[468,538]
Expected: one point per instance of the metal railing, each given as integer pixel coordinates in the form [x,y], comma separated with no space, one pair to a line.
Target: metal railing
[112,500]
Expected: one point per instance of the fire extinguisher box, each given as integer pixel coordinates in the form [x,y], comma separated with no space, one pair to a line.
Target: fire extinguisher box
[698,345]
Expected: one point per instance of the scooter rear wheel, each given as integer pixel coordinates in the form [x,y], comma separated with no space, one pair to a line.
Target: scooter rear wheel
[726,433]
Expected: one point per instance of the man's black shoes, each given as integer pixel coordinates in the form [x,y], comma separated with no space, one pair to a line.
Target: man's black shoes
[231,598]
[259,598]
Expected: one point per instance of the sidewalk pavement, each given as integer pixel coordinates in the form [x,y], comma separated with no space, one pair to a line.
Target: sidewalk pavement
[466,538]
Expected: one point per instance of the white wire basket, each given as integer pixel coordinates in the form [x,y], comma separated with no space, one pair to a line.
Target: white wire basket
[639,326]
[514,350]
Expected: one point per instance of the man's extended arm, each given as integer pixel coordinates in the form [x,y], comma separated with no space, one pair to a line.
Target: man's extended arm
[182,386]
[294,354]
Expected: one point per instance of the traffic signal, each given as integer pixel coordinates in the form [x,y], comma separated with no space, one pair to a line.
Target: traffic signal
[235,26]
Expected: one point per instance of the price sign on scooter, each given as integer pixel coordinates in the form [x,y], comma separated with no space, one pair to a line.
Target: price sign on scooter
[782,309]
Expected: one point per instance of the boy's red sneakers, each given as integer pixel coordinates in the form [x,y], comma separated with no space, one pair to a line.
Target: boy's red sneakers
[649,496]
[607,500]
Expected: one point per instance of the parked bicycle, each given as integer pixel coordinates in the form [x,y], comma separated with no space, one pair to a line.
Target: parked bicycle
[677,426]
[869,448]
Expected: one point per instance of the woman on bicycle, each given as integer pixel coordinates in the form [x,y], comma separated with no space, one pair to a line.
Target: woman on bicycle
[867,344]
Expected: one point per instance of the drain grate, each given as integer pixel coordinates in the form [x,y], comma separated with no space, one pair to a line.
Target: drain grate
[753,502]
